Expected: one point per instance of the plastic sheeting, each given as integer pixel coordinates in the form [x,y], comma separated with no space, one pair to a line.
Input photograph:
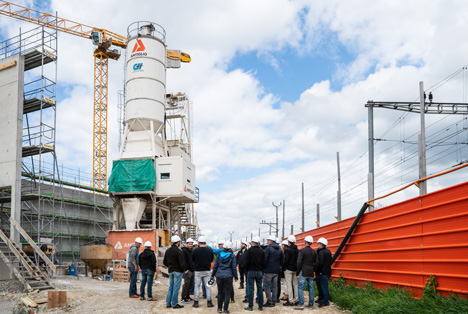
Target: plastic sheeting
[132,175]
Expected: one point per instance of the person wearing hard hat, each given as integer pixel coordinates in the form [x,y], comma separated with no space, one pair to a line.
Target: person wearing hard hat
[133,267]
[241,262]
[254,262]
[225,269]
[195,244]
[174,261]
[273,260]
[306,264]
[219,249]
[323,271]
[202,258]
[188,274]
[147,262]
[284,245]
[290,268]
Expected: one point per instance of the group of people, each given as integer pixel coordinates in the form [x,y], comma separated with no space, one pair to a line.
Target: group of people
[260,268]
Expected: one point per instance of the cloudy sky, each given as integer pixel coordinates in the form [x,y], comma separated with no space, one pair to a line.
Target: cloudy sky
[278,88]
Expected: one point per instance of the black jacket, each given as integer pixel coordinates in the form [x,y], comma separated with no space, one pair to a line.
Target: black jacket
[307,262]
[174,260]
[240,258]
[254,259]
[324,262]
[274,258]
[202,258]
[290,258]
[188,259]
[147,259]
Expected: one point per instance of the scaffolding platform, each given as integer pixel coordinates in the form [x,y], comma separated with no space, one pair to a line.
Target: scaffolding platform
[36,58]
[36,150]
[34,104]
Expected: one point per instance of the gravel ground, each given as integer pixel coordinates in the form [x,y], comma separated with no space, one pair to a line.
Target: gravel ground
[88,295]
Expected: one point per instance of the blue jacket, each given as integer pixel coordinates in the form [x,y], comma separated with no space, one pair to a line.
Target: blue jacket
[225,266]
[274,258]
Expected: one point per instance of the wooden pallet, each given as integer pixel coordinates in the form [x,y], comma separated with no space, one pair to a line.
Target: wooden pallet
[121,275]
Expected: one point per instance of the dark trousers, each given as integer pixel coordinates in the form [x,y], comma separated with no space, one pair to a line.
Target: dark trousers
[279,286]
[147,276]
[188,283]
[242,275]
[133,279]
[255,277]
[322,287]
[224,292]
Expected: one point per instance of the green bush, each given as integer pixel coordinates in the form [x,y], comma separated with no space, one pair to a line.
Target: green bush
[369,299]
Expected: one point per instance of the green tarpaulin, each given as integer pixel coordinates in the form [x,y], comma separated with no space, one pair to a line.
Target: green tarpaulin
[133,175]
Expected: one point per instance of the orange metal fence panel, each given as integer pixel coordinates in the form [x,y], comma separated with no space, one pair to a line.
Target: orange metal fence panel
[404,243]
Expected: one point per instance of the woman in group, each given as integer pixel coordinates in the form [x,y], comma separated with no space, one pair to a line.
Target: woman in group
[225,270]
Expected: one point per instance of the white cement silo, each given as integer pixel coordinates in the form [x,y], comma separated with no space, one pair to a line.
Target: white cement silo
[145,86]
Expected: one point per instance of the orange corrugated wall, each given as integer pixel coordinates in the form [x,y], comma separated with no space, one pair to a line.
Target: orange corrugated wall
[403,244]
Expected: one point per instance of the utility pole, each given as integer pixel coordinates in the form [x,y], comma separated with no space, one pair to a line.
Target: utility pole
[422,141]
[413,107]
[271,224]
[370,176]
[251,236]
[259,233]
[292,229]
[318,216]
[230,235]
[303,227]
[338,194]
[276,206]
[284,206]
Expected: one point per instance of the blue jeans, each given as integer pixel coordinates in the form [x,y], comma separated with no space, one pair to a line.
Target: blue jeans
[255,276]
[133,279]
[300,288]
[147,275]
[175,278]
[247,290]
[322,286]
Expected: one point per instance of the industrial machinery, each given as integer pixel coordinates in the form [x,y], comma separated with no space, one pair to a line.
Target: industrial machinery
[153,181]
[105,41]
[96,257]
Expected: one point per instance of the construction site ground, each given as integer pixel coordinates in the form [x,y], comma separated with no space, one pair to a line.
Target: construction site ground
[86,295]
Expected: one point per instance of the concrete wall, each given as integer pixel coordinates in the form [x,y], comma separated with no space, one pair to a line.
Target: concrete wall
[11,120]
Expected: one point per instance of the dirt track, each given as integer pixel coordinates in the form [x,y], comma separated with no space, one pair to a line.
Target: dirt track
[94,296]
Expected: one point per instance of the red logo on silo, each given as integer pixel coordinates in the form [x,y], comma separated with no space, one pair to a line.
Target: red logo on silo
[139,46]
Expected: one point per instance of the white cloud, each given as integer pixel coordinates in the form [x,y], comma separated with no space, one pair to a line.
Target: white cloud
[240,126]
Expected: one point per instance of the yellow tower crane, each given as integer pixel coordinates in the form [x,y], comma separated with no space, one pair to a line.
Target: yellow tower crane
[104,40]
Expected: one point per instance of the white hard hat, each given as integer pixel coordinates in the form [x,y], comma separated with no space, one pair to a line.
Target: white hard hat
[271,238]
[245,242]
[175,239]
[148,244]
[211,282]
[221,241]
[309,239]
[278,240]
[227,245]
[189,240]
[285,242]
[195,243]
[292,239]
[256,239]
[202,239]
[139,240]
[323,241]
